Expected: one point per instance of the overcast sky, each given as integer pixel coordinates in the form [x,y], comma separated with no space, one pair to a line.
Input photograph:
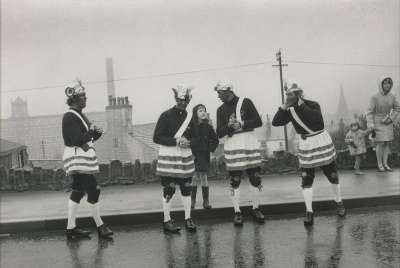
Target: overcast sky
[49,43]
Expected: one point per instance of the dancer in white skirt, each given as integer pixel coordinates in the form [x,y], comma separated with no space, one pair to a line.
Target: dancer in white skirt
[175,164]
[236,119]
[80,160]
[316,148]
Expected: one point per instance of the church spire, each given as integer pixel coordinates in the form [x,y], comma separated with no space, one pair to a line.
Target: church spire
[343,109]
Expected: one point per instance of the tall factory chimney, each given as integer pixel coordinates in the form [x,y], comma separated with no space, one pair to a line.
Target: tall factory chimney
[110,78]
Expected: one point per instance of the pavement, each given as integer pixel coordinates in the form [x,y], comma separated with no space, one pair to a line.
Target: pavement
[141,203]
[367,238]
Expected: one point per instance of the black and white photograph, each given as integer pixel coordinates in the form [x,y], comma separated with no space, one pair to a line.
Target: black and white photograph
[203,133]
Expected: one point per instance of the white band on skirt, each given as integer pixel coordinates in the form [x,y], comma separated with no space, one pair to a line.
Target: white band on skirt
[174,161]
[76,160]
[242,151]
[316,151]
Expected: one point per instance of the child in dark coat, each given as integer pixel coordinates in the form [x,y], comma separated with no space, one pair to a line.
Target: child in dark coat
[204,141]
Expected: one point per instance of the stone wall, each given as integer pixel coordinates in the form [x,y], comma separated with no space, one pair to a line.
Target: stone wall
[118,173]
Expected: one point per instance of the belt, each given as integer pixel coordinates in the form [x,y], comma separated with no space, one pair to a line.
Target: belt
[305,136]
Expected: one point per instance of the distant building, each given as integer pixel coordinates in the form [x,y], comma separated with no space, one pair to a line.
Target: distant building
[275,139]
[12,154]
[122,140]
[141,144]
[19,108]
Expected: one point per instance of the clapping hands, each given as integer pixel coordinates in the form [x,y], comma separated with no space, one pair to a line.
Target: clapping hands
[386,120]
[85,147]
[183,142]
[96,132]
[98,129]
[290,102]
[233,123]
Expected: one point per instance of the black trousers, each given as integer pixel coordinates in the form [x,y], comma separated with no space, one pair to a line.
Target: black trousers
[184,185]
[236,177]
[308,175]
[84,184]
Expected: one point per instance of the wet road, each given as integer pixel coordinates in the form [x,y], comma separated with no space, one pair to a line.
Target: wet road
[363,239]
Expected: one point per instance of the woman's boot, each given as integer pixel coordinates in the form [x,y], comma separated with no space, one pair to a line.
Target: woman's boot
[193,196]
[206,201]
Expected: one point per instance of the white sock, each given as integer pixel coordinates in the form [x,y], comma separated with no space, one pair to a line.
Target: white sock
[167,210]
[186,201]
[72,208]
[308,196]
[255,196]
[386,153]
[95,208]
[336,192]
[236,199]
[379,155]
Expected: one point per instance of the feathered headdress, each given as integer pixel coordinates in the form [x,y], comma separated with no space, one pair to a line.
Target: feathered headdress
[74,88]
[223,85]
[182,92]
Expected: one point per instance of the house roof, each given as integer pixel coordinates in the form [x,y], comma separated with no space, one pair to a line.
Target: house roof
[108,149]
[7,146]
[144,134]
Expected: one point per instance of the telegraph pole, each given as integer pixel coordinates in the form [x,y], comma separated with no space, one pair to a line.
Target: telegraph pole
[280,65]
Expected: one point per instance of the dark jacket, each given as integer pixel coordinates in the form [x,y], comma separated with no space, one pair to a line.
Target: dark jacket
[203,142]
[249,113]
[74,132]
[309,112]
[168,124]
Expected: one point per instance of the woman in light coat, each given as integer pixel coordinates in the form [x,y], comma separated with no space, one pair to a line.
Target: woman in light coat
[383,110]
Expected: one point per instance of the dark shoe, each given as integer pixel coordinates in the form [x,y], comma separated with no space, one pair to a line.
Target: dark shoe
[309,219]
[190,226]
[170,227]
[238,219]
[206,201]
[341,211]
[258,216]
[193,196]
[77,233]
[104,231]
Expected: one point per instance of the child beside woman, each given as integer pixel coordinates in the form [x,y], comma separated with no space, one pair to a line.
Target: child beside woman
[355,140]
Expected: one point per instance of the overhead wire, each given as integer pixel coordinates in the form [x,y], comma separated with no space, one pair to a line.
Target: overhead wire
[238,66]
